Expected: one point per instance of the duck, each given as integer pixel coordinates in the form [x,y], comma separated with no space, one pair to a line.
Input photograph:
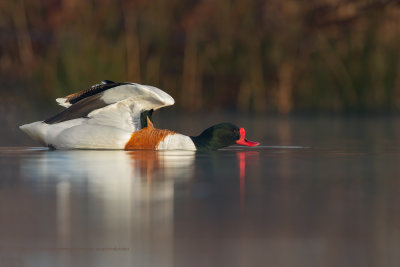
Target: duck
[118,115]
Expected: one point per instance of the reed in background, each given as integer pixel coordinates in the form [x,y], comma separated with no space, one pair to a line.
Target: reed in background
[257,56]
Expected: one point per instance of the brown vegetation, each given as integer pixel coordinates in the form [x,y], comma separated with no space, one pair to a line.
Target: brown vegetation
[262,56]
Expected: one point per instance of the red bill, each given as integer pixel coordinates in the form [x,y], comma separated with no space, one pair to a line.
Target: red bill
[243,141]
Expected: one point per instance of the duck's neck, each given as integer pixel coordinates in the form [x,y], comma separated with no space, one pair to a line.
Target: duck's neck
[201,143]
[206,141]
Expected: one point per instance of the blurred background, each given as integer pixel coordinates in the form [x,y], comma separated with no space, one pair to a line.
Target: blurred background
[264,57]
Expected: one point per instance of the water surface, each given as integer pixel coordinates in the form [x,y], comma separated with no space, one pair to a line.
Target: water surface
[322,196]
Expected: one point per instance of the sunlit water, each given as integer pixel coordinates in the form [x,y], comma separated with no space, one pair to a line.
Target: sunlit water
[297,200]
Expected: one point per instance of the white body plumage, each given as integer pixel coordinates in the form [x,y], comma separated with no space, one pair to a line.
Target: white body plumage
[115,116]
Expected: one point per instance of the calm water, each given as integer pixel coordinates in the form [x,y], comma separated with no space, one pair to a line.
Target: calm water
[317,192]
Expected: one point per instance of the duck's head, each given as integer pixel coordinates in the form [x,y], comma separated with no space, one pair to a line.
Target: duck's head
[221,135]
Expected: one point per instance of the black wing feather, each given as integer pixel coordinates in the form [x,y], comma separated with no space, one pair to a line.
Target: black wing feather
[95,89]
[78,110]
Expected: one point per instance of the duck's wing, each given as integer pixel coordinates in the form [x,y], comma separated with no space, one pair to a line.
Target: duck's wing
[68,100]
[121,105]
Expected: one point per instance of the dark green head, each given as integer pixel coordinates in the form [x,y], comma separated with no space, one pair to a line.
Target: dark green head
[219,136]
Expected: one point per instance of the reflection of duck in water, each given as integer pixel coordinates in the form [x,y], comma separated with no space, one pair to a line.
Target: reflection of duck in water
[113,196]
[114,115]
[111,166]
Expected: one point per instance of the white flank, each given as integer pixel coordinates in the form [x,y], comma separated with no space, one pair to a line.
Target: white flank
[77,134]
[176,142]
[45,133]
[91,137]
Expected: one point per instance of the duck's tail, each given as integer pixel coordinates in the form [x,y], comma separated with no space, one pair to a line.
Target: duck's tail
[36,130]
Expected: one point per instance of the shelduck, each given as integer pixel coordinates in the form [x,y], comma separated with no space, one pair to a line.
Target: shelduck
[117,115]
